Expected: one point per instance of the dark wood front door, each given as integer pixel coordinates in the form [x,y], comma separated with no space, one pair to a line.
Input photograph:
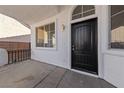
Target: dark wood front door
[84,46]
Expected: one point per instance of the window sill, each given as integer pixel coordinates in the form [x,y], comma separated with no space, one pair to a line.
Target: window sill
[44,48]
[115,52]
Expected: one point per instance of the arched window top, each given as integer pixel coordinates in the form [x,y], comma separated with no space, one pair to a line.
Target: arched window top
[83,11]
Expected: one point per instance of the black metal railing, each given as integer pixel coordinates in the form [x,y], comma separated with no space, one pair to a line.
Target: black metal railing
[18,55]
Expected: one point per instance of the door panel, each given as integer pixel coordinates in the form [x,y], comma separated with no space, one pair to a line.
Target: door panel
[84,46]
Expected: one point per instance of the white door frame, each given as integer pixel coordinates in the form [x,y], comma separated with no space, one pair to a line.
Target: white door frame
[100,59]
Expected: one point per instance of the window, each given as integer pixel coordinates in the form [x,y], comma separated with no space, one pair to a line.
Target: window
[117,26]
[45,36]
[83,11]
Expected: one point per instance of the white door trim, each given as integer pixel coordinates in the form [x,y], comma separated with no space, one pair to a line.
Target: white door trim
[100,59]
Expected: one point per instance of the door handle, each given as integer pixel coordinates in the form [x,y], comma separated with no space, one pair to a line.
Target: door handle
[73,48]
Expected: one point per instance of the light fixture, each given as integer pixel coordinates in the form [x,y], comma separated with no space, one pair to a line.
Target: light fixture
[63,27]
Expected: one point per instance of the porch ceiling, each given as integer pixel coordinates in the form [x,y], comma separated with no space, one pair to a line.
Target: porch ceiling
[30,14]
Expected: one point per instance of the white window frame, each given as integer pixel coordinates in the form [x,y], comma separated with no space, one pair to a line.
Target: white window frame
[82,12]
[47,48]
[110,25]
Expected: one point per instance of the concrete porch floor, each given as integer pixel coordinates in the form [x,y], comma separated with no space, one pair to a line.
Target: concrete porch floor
[30,74]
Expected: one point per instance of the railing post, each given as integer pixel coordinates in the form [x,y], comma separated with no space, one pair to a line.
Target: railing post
[15,57]
[29,53]
[21,55]
[8,57]
[12,56]
[18,55]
